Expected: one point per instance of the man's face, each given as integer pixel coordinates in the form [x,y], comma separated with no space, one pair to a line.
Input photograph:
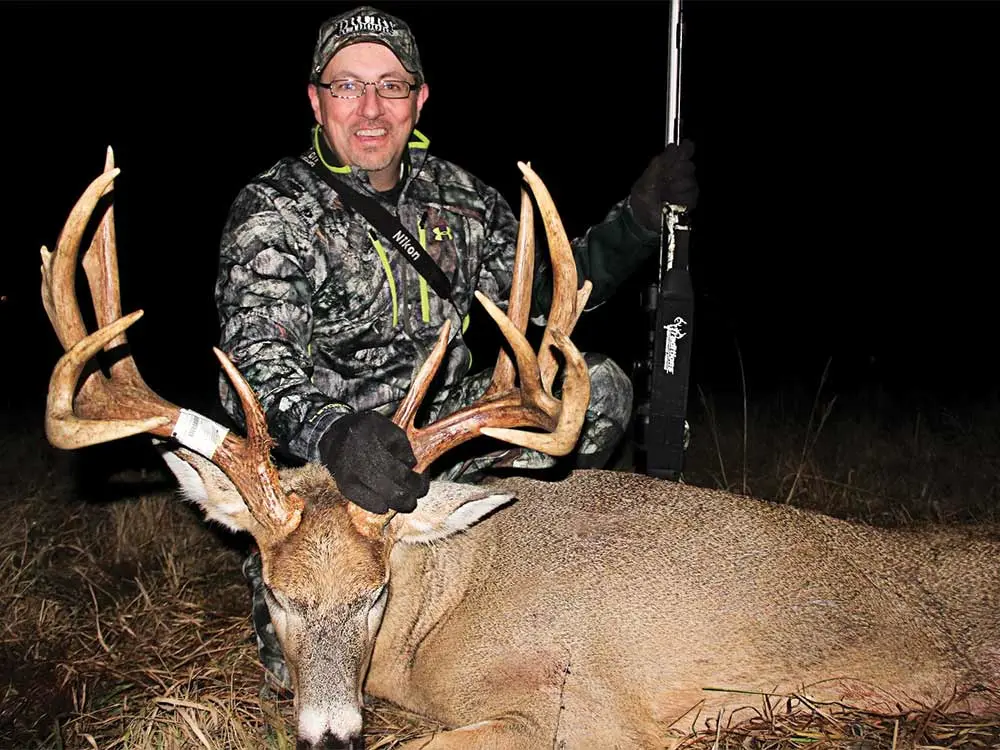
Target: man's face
[369,132]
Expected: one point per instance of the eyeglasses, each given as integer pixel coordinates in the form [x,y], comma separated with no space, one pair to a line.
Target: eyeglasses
[348,88]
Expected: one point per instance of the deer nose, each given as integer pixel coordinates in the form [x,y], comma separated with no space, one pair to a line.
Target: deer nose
[329,741]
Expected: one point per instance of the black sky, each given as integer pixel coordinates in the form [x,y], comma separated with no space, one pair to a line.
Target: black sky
[845,153]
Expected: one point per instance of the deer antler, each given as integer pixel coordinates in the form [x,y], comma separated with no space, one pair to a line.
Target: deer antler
[108,407]
[504,406]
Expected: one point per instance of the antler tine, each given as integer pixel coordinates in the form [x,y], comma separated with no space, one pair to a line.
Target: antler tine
[560,440]
[567,304]
[568,415]
[108,408]
[406,412]
[100,262]
[519,304]
[59,266]
[62,427]
[248,463]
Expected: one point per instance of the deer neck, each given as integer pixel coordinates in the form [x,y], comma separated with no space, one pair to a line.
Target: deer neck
[427,584]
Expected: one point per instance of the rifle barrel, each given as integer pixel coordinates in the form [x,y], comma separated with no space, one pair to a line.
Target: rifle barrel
[676,36]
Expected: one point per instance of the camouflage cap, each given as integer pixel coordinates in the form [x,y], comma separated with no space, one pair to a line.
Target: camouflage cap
[366,24]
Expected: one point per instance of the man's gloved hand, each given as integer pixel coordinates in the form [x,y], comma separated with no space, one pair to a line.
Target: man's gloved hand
[372,461]
[669,178]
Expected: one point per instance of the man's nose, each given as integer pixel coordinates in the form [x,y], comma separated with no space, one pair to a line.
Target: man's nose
[371,102]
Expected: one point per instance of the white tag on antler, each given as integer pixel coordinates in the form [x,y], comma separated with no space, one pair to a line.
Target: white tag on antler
[199,433]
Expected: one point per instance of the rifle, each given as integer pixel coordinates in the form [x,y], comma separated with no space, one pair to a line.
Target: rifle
[661,424]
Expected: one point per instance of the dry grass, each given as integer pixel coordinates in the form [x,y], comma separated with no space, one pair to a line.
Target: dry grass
[796,722]
[871,456]
[126,619]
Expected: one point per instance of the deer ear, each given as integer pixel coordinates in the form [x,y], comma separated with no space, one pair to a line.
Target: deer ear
[446,509]
[208,487]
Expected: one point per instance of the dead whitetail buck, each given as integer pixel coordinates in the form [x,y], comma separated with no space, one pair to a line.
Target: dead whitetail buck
[608,610]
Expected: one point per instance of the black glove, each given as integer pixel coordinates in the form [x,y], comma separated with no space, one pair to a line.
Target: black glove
[669,178]
[372,461]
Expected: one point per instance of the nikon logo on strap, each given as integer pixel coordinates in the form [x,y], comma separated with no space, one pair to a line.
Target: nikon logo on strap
[404,242]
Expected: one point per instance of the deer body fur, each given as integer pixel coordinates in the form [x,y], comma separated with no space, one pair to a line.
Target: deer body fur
[595,612]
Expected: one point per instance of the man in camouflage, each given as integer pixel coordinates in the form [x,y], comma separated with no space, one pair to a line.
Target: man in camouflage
[328,321]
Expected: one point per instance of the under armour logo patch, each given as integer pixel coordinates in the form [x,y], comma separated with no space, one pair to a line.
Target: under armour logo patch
[441,233]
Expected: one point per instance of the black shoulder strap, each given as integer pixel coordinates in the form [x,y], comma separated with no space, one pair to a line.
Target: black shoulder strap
[387,225]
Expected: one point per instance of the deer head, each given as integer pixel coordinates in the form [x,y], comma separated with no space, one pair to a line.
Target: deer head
[326,561]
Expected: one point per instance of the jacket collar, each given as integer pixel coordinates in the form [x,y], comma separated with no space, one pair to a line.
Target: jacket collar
[412,163]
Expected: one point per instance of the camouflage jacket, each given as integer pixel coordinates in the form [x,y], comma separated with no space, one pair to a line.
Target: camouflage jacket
[324,316]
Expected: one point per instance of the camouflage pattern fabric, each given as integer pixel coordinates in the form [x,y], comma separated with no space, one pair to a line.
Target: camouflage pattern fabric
[323,316]
[366,24]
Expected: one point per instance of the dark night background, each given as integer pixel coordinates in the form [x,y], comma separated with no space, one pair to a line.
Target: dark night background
[844,151]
